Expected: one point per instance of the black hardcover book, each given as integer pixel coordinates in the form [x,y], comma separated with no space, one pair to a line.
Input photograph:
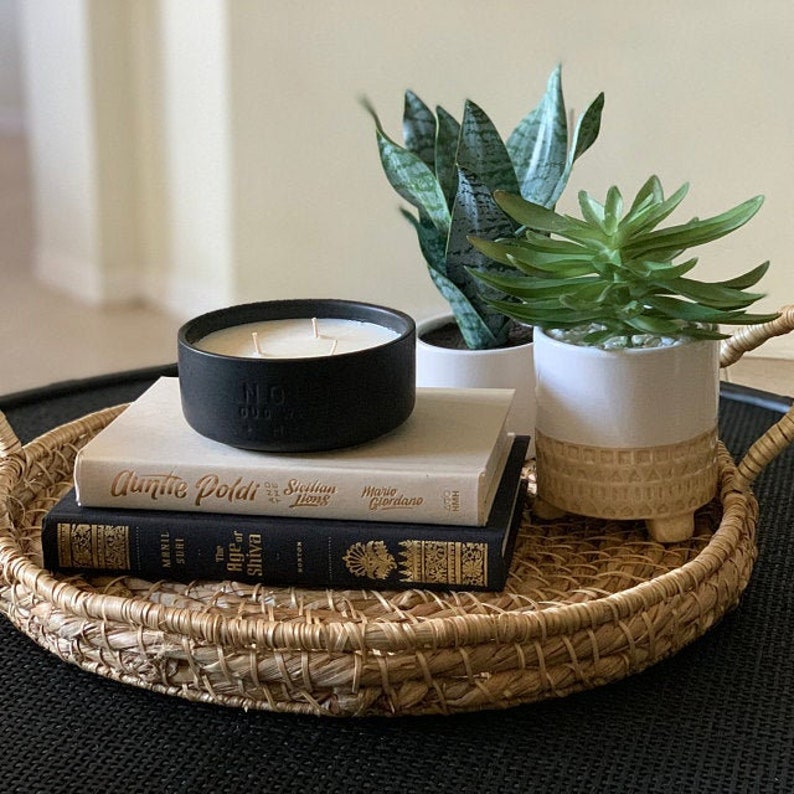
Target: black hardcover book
[278,551]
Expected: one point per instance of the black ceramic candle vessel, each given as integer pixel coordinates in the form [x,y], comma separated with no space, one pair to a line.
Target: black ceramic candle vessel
[297,375]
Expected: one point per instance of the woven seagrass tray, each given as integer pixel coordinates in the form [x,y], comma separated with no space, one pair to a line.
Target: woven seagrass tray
[587,602]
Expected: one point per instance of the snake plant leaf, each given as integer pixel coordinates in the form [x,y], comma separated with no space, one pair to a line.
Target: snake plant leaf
[445,153]
[419,129]
[475,331]
[410,176]
[474,213]
[584,135]
[482,152]
[539,145]
[414,181]
[432,243]
[587,128]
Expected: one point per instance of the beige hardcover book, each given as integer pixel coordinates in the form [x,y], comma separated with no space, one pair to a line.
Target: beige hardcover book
[440,466]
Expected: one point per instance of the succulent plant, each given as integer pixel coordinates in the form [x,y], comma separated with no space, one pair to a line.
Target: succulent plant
[613,274]
[447,170]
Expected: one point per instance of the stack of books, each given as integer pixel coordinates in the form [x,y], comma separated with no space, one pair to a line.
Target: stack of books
[435,503]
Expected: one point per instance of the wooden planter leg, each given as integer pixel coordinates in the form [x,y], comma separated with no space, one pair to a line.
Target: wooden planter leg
[671,529]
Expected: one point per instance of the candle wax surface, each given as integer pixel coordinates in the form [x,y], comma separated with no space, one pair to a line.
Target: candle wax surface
[296,338]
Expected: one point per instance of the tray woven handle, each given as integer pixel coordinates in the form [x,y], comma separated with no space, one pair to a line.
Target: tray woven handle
[781,434]
[9,443]
[752,336]
[766,449]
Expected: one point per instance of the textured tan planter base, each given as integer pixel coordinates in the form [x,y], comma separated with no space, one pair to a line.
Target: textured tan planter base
[663,485]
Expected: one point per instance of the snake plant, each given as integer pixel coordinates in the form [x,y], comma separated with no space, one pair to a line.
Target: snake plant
[447,170]
[612,276]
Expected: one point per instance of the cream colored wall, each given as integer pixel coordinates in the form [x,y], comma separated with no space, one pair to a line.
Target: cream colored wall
[695,92]
[198,152]
[258,175]
[62,144]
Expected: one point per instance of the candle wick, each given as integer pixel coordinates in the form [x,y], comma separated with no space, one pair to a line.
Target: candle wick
[315,329]
[255,336]
[333,346]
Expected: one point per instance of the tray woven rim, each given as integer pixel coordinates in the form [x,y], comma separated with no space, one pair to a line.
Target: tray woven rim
[733,538]
[385,654]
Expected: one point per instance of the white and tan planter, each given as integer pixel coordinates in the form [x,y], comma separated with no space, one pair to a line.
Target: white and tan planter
[627,434]
[501,368]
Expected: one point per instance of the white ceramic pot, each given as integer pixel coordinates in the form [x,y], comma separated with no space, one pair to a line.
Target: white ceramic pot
[628,434]
[501,368]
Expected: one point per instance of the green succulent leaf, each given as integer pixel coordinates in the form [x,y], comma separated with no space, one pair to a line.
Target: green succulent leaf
[651,193]
[616,269]
[592,210]
[748,279]
[553,316]
[531,214]
[647,324]
[695,232]
[664,270]
[613,208]
[712,295]
[529,286]
[686,310]
[649,215]
[745,318]
[540,264]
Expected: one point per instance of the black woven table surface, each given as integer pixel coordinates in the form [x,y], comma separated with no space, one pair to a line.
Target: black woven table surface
[717,717]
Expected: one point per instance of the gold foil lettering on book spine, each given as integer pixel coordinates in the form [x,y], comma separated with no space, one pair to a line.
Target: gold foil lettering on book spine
[381,498]
[444,562]
[309,494]
[371,559]
[94,546]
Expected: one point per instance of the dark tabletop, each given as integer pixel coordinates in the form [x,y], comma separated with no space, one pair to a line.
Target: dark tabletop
[717,717]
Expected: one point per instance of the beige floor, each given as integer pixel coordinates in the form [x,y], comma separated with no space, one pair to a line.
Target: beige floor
[47,337]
